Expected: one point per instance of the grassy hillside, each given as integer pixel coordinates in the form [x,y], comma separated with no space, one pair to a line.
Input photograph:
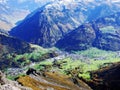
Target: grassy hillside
[14,60]
[94,59]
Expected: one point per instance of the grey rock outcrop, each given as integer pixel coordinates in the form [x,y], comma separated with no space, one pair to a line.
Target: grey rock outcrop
[6,84]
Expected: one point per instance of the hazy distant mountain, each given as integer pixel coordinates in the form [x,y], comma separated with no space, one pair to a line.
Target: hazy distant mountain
[103,33]
[4,24]
[9,16]
[46,25]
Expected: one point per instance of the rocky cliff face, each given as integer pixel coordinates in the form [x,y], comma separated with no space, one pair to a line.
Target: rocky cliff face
[103,33]
[48,24]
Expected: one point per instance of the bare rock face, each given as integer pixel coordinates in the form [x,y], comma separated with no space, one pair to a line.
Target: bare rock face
[9,87]
[6,84]
[3,80]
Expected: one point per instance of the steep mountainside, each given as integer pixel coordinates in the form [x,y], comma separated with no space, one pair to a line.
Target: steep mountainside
[107,78]
[12,45]
[48,24]
[103,33]
[42,80]
[9,48]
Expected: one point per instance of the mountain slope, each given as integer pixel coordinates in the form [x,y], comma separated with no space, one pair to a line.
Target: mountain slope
[48,24]
[12,45]
[107,78]
[103,33]
[9,48]
[79,39]
[38,80]
[6,84]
